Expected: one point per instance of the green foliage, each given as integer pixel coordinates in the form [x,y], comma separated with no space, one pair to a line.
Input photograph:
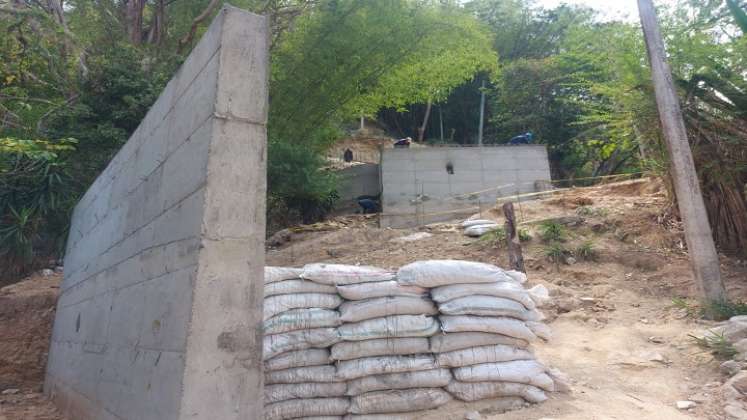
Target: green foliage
[552,232]
[740,17]
[495,237]
[556,252]
[717,344]
[524,235]
[724,310]
[586,251]
[589,211]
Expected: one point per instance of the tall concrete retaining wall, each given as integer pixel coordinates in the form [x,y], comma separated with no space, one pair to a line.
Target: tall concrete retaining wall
[418,188]
[160,310]
[355,181]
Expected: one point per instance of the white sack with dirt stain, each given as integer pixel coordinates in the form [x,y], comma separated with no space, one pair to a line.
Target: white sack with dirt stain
[273,345]
[337,274]
[498,325]
[528,372]
[274,305]
[282,392]
[475,391]
[436,378]
[399,401]
[274,274]
[488,306]
[302,319]
[507,290]
[325,373]
[379,289]
[358,368]
[309,407]
[478,230]
[348,350]
[299,358]
[475,222]
[390,326]
[287,287]
[441,343]
[434,273]
[482,354]
[361,310]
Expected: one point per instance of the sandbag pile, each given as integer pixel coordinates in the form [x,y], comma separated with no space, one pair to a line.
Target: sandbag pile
[478,227]
[366,343]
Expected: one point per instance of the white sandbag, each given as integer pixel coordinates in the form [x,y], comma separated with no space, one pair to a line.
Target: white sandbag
[482,354]
[507,290]
[517,276]
[379,289]
[273,274]
[442,343]
[478,230]
[488,306]
[399,401]
[299,358]
[274,305]
[359,310]
[282,392]
[302,319]
[335,274]
[324,373]
[358,368]
[435,378]
[540,330]
[436,273]
[529,372]
[276,344]
[539,294]
[348,350]
[388,416]
[292,409]
[475,222]
[474,391]
[288,287]
[389,327]
[498,325]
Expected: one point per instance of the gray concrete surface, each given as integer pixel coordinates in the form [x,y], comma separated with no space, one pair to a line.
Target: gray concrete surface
[160,310]
[355,181]
[417,189]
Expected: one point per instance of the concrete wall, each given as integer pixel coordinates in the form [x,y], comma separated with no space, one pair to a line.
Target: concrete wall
[417,189]
[160,310]
[355,181]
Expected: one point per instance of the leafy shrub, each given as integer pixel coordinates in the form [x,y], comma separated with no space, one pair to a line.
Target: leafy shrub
[586,251]
[552,232]
[496,237]
[524,235]
[556,252]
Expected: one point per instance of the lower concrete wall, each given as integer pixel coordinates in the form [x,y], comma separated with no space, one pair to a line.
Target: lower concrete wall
[418,188]
[160,309]
[355,181]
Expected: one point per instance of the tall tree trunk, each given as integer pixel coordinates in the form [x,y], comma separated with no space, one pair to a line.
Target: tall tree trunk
[196,23]
[421,130]
[158,24]
[701,248]
[134,20]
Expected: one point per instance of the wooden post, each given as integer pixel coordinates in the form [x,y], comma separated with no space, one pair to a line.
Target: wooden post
[701,248]
[515,256]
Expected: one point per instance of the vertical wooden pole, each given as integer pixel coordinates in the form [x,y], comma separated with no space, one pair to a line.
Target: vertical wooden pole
[515,256]
[701,248]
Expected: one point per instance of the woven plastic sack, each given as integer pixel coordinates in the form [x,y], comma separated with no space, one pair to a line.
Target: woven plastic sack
[361,310]
[540,330]
[488,306]
[441,343]
[274,305]
[475,222]
[334,274]
[358,368]
[287,287]
[325,373]
[389,327]
[528,372]
[292,359]
[379,289]
[388,416]
[507,290]
[478,230]
[498,325]
[282,392]
[539,294]
[348,350]
[435,378]
[399,401]
[436,273]
[273,274]
[308,407]
[276,344]
[517,276]
[482,354]
[302,319]
[475,391]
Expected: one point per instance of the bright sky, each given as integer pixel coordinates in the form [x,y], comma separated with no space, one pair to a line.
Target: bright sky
[610,9]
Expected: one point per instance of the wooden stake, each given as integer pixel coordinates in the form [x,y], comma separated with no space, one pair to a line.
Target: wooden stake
[515,256]
[701,248]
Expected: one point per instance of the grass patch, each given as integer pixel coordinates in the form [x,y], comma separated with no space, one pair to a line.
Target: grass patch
[524,235]
[496,237]
[589,211]
[587,252]
[725,310]
[717,345]
[556,252]
[552,232]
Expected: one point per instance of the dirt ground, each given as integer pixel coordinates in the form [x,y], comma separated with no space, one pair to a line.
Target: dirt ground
[618,337]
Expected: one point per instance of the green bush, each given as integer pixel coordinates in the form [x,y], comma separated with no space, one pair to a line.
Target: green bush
[524,235]
[556,252]
[587,252]
[552,232]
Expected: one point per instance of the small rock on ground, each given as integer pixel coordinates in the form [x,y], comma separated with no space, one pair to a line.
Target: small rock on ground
[685,405]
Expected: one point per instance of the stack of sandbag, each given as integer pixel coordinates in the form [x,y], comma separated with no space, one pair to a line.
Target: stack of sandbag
[478,227]
[488,320]
[300,325]
[384,353]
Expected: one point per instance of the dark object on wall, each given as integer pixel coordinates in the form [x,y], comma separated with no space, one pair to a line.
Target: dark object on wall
[450,168]
[348,155]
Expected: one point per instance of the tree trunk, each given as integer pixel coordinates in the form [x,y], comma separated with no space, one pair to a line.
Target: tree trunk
[195,23]
[134,20]
[158,24]
[701,248]
[421,130]
[515,256]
